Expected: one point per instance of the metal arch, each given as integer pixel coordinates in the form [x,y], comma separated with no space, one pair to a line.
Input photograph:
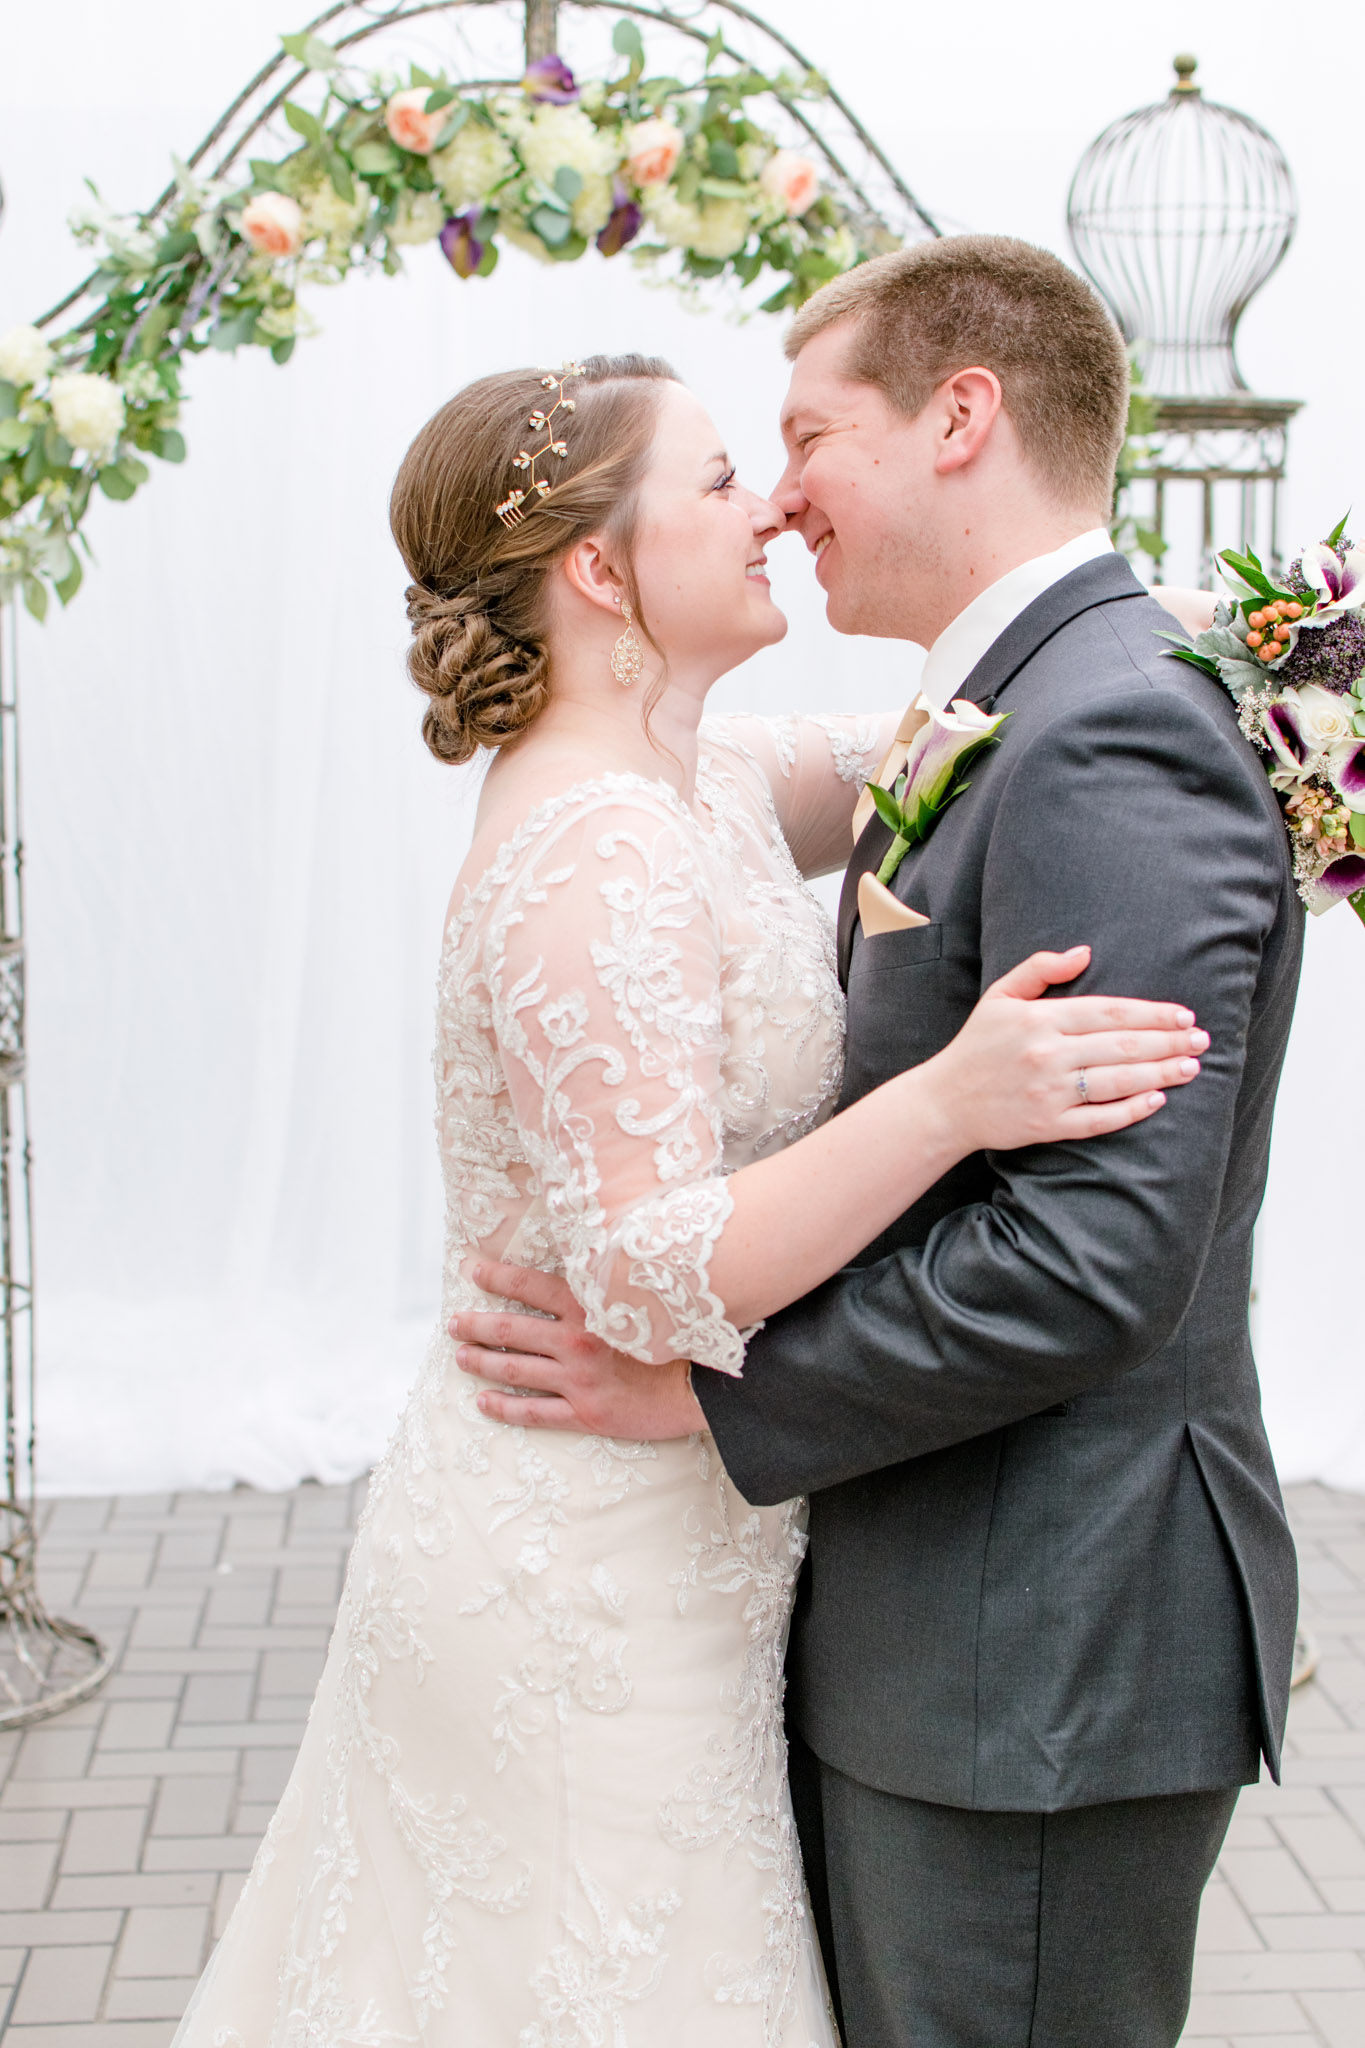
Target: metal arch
[376,20]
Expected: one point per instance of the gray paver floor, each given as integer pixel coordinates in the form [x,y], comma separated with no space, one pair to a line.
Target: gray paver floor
[127,1824]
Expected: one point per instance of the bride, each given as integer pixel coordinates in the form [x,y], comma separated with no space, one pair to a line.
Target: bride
[541,1800]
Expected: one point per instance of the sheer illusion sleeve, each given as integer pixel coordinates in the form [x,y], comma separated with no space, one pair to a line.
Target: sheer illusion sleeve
[815,769]
[604,977]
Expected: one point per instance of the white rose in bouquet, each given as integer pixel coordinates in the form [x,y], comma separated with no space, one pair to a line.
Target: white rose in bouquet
[24,356]
[88,411]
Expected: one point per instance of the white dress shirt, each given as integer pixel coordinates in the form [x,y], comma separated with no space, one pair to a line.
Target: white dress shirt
[961,644]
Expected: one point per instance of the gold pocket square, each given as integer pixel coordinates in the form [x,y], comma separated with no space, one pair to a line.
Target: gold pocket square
[880,911]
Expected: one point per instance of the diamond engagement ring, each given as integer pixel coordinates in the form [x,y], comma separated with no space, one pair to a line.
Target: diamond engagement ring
[1082,1088]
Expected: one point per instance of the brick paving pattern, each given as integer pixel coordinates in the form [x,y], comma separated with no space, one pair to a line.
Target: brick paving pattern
[126,1825]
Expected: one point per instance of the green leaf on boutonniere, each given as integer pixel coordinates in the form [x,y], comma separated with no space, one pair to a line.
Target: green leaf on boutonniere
[1358,828]
[888,810]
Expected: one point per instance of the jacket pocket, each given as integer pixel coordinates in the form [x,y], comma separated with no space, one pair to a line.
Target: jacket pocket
[908,948]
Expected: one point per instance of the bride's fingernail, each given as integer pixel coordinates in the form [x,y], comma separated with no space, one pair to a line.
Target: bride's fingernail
[1155,1101]
[462,1356]
[1186,1018]
[1189,1067]
[1199,1040]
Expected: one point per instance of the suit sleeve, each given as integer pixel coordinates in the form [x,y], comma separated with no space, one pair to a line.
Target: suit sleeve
[1136,826]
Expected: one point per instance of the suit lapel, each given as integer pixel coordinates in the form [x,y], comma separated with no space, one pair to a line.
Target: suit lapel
[1098,582]
[868,853]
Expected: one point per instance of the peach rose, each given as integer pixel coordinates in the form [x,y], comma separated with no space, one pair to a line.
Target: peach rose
[273,223]
[652,150]
[410,125]
[791,179]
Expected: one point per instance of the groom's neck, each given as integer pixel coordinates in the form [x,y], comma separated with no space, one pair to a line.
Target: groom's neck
[987,542]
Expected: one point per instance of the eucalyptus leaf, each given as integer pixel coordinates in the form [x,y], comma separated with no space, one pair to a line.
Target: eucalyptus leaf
[35,598]
[66,586]
[339,171]
[627,42]
[724,160]
[282,349]
[311,51]
[552,226]
[459,114]
[115,485]
[169,444]
[14,435]
[9,400]
[136,472]
[724,188]
[568,183]
[569,250]
[375,159]
[229,334]
[302,122]
[489,261]
[442,97]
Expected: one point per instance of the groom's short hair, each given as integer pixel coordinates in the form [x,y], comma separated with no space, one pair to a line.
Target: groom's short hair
[943,306]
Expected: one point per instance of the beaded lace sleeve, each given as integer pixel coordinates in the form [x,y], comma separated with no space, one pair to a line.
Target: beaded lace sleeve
[603,969]
[815,769]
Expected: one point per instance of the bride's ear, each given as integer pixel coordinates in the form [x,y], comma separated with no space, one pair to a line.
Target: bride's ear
[591,575]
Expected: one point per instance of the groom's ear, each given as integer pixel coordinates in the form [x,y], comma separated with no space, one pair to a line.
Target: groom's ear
[967,405]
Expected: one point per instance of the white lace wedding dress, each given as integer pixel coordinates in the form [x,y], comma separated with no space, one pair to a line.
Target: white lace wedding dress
[541,1800]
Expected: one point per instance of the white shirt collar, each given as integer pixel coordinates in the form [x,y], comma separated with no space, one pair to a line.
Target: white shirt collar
[961,644]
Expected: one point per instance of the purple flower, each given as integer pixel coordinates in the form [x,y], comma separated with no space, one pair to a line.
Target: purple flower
[1338,581]
[624,225]
[1345,877]
[460,245]
[1285,734]
[1347,768]
[550,79]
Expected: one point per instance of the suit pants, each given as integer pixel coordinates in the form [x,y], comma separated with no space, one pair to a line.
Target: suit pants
[948,1928]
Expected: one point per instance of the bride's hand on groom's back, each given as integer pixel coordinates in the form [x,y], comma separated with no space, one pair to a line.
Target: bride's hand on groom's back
[1024,1072]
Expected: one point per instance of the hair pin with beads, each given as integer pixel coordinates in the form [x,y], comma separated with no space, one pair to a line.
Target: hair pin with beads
[537,488]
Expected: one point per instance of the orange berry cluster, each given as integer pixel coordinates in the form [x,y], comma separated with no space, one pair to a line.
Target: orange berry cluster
[1269,634]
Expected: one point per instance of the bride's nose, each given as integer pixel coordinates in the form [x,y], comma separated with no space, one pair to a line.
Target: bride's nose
[764,516]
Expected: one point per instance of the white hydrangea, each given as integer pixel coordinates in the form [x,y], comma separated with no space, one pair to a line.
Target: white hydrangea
[469,167]
[24,356]
[142,386]
[286,322]
[592,208]
[325,212]
[552,139]
[716,230]
[88,411]
[420,217]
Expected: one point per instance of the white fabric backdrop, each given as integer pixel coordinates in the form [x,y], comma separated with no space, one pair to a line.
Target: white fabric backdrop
[239,851]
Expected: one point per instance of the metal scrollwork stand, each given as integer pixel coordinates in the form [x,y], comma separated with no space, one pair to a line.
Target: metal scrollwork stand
[46,1665]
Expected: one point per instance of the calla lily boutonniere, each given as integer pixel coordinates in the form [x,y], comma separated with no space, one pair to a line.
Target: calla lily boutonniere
[932,776]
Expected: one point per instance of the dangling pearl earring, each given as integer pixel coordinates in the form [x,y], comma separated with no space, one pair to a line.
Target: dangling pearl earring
[627,656]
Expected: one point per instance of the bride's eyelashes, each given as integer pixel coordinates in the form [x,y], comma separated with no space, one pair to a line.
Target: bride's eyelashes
[723,483]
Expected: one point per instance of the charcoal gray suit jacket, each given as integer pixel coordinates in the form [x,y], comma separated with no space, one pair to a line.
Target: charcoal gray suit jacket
[1049,1564]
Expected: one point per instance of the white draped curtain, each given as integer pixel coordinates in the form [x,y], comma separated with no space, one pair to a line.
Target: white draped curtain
[239,852]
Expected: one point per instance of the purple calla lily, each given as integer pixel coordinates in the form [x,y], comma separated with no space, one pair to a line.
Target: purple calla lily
[1345,877]
[1347,768]
[1285,733]
[624,225]
[460,245]
[1339,582]
[550,79]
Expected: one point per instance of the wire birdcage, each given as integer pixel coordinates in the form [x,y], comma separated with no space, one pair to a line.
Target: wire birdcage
[1179,213]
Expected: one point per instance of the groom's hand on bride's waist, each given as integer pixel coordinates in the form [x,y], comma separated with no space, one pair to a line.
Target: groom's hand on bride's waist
[565,1377]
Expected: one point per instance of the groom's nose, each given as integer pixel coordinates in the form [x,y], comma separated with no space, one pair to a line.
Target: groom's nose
[788,495]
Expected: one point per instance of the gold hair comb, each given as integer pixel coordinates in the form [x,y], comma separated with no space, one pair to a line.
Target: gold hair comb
[542,421]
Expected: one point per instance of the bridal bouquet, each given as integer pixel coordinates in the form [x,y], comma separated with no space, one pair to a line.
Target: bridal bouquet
[1292,656]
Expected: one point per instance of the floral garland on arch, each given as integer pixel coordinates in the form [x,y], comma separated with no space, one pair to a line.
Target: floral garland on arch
[676,171]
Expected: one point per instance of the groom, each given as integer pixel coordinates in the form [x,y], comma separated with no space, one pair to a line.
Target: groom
[1045,1629]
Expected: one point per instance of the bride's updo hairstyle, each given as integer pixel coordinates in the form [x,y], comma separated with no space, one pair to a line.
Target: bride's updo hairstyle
[477,599]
